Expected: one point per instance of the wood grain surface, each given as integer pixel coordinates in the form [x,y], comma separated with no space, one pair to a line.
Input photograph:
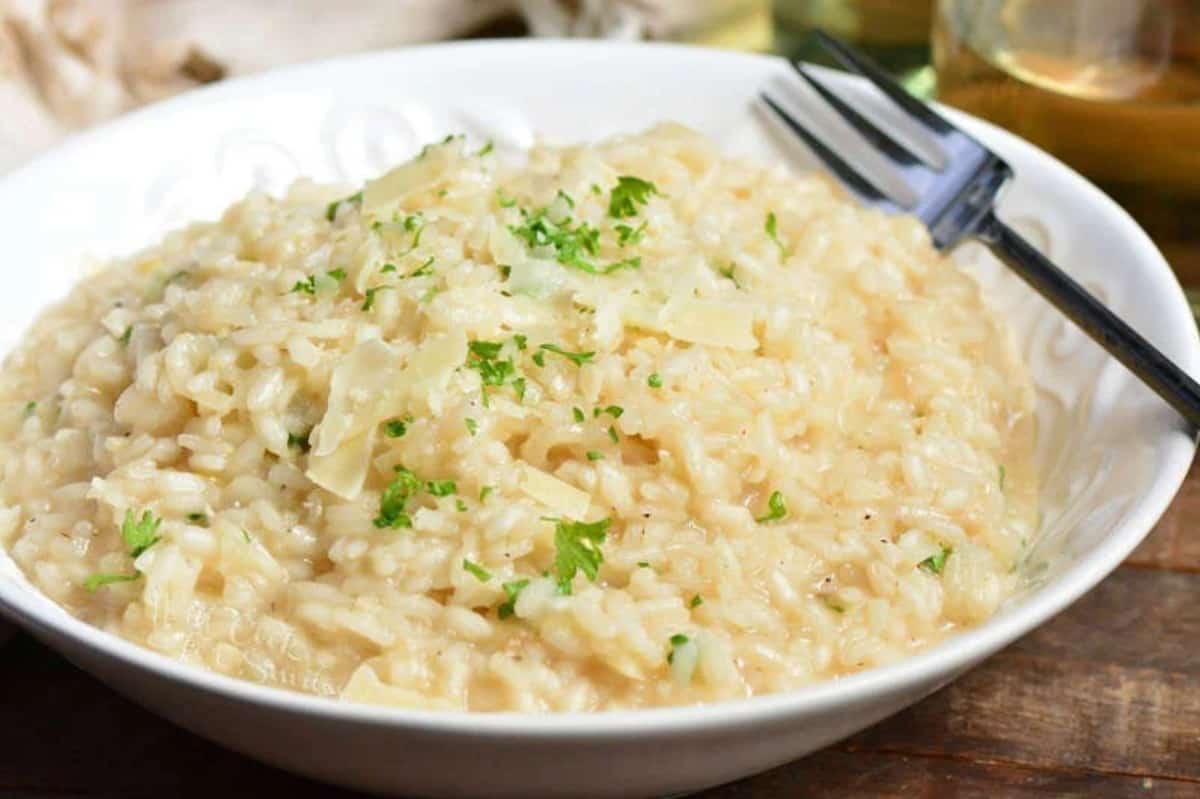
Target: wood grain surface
[1104,701]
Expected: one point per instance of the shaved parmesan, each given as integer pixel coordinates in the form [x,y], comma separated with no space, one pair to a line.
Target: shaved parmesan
[428,371]
[358,390]
[390,188]
[711,322]
[344,470]
[563,498]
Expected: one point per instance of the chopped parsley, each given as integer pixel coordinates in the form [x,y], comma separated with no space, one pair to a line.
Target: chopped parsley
[124,339]
[677,640]
[573,245]
[577,548]
[486,148]
[518,385]
[776,510]
[394,498]
[833,605]
[628,194]
[306,286]
[471,424]
[460,506]
[396,428]
[441,488]
[96,580]
[503,200]
[140,535]
[299,441]
[484,357]
[387,268]
[520,341]
[30,409]
[539,358]
[424,270]
[612,434]
[246,535]
[566,198]
[481,574]
[629,235]
[614,411]
[696,602]
[643,564]
[654,380]
[770,227]
[1001,473]
[577,413]
[592,455]
[485,492]
[314,283]
[198,518]
[935,563]
[595,189]
[577,358]
[369,298]
[512,590]
[728,273]
[331,210]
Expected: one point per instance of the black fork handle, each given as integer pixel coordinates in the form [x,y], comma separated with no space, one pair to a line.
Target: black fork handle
[1120,340]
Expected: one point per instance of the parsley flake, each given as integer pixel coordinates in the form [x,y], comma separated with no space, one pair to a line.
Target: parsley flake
[424,270]
[577,548]
[696,602]
[394,498]
[140,535]
[654,380]
[592,455]
[612,434]
[577,413]
[577,358]
[460,506]
[471,424]
[629,235]
[775,507]
[934,564]
[369,297]
[628,194]
[770,227]
[331,210]
[677,640]
[503,200]
[1001,474]
[96,580]
[198,518]
[512,590]
[30,409]
[485,492]
[486,148]
[299,440]
[728,273]
[124,339]
[396,428]
[614,411]
[441,488]
[481,574]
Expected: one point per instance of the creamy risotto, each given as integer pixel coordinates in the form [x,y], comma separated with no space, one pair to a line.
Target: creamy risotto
[621,425]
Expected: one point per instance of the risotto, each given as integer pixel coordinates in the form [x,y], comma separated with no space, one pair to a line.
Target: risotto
[620,425]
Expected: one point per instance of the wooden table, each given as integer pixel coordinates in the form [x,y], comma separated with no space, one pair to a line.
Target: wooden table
[1104,701]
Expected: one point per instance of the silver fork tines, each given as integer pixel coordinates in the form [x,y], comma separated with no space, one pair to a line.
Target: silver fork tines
[957,201]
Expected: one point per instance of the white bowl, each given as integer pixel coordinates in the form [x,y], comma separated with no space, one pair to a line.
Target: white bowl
[1111,454]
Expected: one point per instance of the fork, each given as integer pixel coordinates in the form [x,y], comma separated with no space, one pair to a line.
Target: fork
[957,202]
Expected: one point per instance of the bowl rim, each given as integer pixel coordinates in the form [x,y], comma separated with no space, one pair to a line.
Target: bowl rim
[947,659]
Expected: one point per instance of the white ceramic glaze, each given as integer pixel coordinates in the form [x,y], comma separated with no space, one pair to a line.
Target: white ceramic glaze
[1112,454]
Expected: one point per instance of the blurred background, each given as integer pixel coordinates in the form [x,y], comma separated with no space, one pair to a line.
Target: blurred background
[1112,87]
